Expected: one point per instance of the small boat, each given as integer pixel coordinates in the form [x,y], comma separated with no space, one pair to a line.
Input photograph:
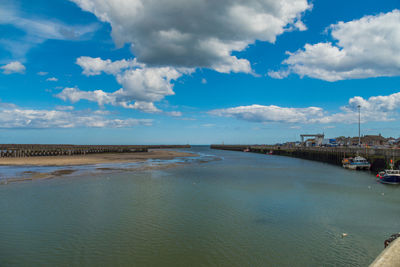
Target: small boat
[357,163]
[271,152]
[389,177]
[246,150]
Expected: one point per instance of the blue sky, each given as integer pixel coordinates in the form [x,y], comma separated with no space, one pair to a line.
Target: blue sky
[141,72]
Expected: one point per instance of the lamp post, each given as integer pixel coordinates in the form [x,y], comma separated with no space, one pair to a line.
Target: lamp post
[359,125]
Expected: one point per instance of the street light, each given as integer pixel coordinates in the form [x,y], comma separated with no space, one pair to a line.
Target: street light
[359,125]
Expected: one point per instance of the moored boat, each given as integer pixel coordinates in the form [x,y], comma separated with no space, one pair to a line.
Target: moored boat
[389,176]
[357,163]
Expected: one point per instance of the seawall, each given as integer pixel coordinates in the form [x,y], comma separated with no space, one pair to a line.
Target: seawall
[390,256]
[379,158]
[35,150]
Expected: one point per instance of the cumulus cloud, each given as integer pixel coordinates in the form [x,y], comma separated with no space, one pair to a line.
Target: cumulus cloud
[141,85]
[174,38]
[52,79]
[278,74]
[42,73]
[147,84]
[118,98]
[37,31]
[147,107]
[95,66]
[13,67]
[74,95]
[363,48]
[196,33]
[259,113]
[376,108]
[12,116]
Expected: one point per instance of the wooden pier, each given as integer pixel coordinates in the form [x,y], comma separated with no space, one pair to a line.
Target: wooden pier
[37,150]
[378,157]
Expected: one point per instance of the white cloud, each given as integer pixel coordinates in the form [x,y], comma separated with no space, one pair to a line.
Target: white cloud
[368,47]
[141,85]
[148,107]
[12,116]
[52,79]
[203,81]
[95,66]
[259,113]
[174,113]
[13,67]
[376,108]
[278,74]
[175,38]
[74,95]
[64,107]
[147,84]
[196,33]
[42,73]
[37,31]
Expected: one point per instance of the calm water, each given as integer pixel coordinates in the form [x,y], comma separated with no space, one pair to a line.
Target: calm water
[244,210]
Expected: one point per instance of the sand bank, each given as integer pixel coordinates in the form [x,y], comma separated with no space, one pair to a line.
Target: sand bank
[94,158]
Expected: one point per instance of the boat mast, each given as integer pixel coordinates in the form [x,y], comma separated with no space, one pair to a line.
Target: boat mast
[359,125]
[392,160]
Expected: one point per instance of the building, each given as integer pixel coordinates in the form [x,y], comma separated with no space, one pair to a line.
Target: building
[374,140]
[366,140]
[316,141]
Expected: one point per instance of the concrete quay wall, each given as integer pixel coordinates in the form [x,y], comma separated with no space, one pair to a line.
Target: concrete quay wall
[390,256]
[379,158]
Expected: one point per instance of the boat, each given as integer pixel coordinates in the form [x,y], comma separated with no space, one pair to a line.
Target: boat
[389,176]
[357,163]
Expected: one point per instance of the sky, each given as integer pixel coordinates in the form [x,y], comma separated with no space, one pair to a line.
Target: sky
[198,71]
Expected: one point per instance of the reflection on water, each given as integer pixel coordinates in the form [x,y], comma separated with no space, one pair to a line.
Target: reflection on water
[245,210]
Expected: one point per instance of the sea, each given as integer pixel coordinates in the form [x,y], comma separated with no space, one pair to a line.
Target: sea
[222,208]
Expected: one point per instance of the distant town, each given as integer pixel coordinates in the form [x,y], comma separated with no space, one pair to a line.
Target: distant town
[319,140]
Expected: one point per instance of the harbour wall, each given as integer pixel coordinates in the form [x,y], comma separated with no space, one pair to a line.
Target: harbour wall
[36,150]
[389,257]
[379,158]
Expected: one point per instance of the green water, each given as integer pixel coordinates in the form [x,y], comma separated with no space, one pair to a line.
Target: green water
[244,210]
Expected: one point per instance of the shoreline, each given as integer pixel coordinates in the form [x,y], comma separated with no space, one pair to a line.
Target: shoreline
[92,159]
[69,162]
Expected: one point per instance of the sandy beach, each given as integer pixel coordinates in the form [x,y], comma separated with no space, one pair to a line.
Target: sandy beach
[94,158]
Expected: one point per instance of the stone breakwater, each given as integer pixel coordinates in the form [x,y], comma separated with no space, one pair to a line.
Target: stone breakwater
[379,158]
[34,150]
